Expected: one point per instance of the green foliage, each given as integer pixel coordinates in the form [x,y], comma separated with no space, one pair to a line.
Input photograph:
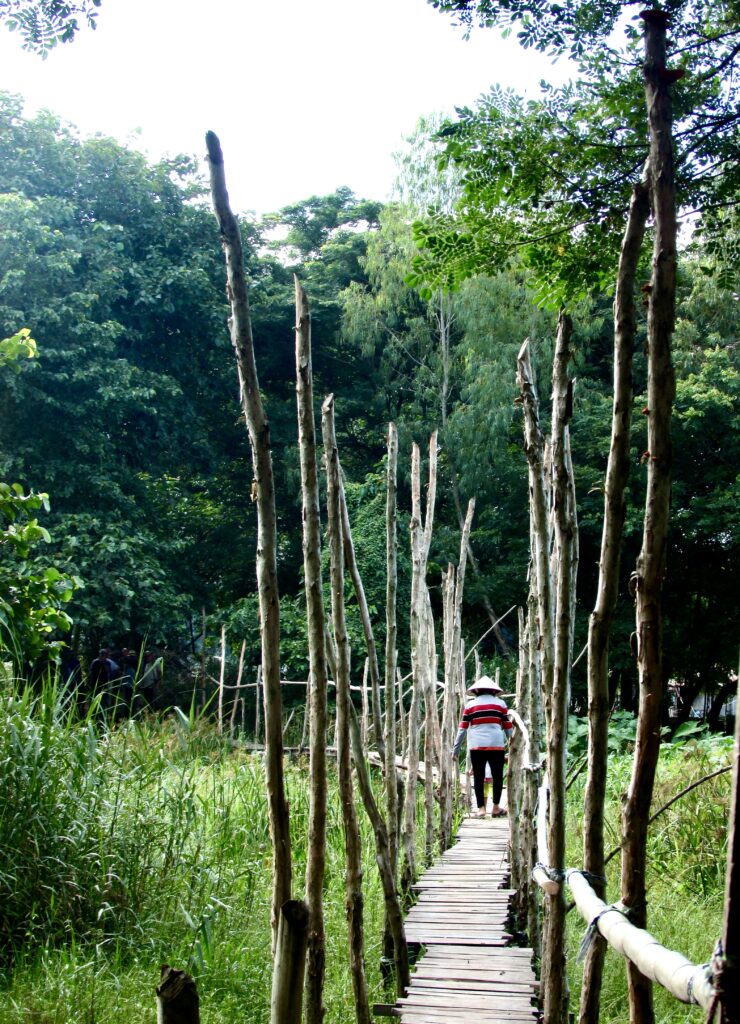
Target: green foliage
[44,23]
[32,594]
[20,346]
[550,180]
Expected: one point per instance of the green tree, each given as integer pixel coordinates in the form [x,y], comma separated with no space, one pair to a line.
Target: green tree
[44,23]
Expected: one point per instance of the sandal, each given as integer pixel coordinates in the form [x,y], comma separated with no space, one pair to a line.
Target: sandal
[498,814]
[480,813]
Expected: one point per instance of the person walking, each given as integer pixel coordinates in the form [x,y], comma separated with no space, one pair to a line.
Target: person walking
[486,724]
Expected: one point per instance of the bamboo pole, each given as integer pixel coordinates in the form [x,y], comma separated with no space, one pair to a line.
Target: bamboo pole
[264,489]
[684,980]
[354,903]
[286,1004]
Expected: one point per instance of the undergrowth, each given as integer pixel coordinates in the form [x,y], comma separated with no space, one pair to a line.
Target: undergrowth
[687,849]
[146,843]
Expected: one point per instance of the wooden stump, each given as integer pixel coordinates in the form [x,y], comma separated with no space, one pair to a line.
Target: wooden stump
[177,997]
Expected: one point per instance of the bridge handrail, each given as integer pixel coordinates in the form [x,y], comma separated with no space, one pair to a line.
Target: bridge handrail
[688,982]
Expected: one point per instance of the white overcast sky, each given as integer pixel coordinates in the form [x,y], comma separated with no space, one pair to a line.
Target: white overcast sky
[306,95]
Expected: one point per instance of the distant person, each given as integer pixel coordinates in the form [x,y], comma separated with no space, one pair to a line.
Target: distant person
[102,673]
[486,724]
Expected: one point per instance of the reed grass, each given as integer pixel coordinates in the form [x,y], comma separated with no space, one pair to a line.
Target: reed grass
[126,846]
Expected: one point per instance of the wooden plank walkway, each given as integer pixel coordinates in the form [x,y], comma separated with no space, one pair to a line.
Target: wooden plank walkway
[467,971]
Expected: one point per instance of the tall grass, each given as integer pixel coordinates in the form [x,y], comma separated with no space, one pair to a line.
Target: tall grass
[687,852]
[125,847]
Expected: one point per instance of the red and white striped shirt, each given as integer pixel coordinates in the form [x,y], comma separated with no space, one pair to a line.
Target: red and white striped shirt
[486,722]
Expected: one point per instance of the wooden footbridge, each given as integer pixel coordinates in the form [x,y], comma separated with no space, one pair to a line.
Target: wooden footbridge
[467,970]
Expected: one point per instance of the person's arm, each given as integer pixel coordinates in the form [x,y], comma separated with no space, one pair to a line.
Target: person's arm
[459,738]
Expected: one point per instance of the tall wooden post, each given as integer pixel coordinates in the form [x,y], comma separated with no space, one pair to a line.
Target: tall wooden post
[354,901]
[728,979]
[554,980]
[290,964]
[600,623]
[264,489]
[318,675]
[650,570]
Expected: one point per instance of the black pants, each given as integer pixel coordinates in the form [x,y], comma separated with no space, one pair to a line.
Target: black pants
[478,759]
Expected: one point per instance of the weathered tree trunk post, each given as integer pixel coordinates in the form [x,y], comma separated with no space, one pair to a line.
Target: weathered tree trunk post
[421,532]
[318,675]
[516,785]
[454,661]
[393,913]
[554,980]
[367,628]
[177,997]
[431,727]
[239,676]
[728,978]
[221,674]
[288,975]
[391,660]
[536,723]
[650,570]
[264,488]
[391,641]
[342,680]
[600,623]
[534,448]
[257,704]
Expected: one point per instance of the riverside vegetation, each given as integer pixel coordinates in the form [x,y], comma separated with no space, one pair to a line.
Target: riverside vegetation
[148,842]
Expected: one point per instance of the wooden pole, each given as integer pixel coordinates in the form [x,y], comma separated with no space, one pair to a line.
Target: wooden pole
[177,997]
[728,975]
[257,704]
[391,654]
[354,903]
[534,448]
[421,535]
[350,559]
[393,913]
[647,579]
[240,673]
[286,1005]
[264,489]
[600,622]
[220,715]
[554,978]
[316,698]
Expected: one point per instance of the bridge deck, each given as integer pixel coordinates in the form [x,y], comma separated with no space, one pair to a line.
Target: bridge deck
[467,971]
